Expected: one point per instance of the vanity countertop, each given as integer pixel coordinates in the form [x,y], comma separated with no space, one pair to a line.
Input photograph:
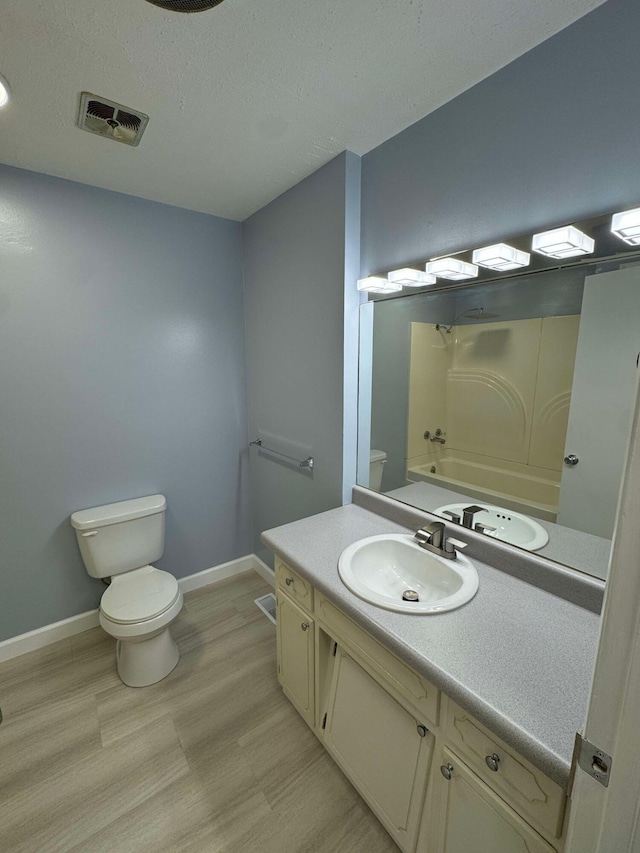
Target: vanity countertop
[518,658]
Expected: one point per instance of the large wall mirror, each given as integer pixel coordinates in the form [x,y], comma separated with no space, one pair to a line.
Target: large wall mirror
[506,405]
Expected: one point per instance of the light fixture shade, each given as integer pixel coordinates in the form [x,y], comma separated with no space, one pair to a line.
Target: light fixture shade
[452,268]
[567,242]
[4,91]
[408,277]
[377,284]
[626,225]
[500,257]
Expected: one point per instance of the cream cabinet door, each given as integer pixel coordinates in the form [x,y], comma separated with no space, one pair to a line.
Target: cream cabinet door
[380,746]
[295,655]
[468,817]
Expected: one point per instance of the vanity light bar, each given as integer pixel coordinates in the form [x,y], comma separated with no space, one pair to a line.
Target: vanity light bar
[4,91]
[567,242]
[377,284]
[501,257]
[626,225]
[411,278]
[452,268]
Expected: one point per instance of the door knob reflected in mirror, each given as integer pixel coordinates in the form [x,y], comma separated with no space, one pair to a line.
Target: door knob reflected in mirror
[571,459]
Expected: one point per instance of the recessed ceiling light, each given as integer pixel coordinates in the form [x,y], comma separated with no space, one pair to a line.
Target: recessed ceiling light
[4,91]
[377,284]
[501,257]
[567,242]
[626,225]
[452,268]
[408,277]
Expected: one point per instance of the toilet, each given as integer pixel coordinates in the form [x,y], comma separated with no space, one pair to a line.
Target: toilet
[120,541]
[377,460]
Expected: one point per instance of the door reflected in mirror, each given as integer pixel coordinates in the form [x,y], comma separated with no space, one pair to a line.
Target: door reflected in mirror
[509,399]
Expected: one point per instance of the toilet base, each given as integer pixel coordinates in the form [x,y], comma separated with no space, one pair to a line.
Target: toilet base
[144,662]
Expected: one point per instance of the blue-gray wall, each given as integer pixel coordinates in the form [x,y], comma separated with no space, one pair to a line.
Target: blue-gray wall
[121,374]
[298,251]
[550,138]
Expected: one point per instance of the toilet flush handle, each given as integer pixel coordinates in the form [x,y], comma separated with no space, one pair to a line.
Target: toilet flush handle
[89,533]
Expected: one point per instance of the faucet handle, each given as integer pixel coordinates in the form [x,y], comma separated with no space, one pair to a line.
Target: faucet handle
[455,543]
[484,528]
[455,516]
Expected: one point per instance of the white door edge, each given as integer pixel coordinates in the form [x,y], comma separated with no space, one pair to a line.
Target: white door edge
[605,820]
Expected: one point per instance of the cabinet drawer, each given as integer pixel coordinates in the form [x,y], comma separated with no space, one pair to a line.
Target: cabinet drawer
[400,678]
[518,781]
[295,586]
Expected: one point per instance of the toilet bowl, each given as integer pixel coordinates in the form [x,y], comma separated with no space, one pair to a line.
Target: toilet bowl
[118,541]
[137,610]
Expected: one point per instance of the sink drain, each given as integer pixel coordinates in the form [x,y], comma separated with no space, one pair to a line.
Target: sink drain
[410,595]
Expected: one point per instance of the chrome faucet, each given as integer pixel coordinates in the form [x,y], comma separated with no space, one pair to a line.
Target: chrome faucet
[468,513]
[432,538]
[435,436]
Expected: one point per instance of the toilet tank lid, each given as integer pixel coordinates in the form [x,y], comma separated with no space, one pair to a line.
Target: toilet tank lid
[101,516]
[377,456]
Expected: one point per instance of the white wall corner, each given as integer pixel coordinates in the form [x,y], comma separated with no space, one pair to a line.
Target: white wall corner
[352,301]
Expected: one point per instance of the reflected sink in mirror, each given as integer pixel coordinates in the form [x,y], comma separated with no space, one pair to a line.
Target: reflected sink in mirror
[383,569]
[507,526]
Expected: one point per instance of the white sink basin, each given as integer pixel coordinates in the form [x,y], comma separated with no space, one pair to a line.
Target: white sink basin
[380,569]
[511,527]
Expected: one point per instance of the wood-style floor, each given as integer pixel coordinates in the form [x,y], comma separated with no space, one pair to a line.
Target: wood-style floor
[213,758]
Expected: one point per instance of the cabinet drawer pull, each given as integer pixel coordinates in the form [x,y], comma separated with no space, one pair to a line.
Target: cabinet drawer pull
[288,581]
[422,730]
[305,627]
[493,762]
[447,771]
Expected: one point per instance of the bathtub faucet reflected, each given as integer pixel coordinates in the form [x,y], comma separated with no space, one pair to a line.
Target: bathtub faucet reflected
[435,436]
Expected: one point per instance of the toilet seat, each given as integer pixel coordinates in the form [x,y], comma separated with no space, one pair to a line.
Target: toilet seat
[139,596]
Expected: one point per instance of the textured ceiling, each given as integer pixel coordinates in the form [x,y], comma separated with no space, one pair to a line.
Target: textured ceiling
[247,98]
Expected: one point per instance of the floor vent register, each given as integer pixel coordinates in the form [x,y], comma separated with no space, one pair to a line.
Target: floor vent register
[267,603]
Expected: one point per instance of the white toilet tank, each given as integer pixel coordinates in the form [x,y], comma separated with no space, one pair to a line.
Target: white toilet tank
[120,537]
[377,460]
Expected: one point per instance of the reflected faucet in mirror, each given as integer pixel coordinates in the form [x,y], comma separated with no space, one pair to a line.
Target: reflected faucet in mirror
[438,436]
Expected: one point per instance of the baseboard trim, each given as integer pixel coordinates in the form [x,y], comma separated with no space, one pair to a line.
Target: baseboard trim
[48,634]
[266,573]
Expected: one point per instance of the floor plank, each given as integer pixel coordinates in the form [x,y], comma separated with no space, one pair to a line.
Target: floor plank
[213,759]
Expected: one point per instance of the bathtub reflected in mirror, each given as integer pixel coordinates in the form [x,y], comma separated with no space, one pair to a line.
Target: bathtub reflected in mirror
[513,395]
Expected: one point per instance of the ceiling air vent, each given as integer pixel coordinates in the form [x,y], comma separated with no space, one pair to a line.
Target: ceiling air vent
[186,5]
[106,118]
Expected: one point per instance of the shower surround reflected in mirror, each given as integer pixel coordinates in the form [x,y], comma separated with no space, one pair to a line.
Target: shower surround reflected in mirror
[478,393]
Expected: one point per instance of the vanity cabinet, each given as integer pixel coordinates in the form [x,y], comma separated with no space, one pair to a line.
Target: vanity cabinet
[391,731]
[470,818]
[524,787]
[382,748]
